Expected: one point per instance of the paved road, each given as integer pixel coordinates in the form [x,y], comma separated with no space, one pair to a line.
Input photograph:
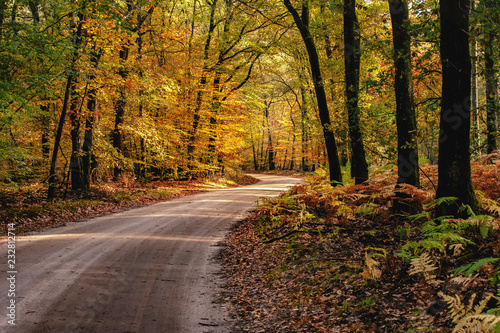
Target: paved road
[148,270]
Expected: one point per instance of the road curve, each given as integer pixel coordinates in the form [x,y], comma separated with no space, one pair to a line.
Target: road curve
[144,270]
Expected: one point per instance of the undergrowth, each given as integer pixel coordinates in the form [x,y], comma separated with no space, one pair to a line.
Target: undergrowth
[368,258]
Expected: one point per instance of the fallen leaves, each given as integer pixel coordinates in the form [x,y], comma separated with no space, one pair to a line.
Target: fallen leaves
[338,270]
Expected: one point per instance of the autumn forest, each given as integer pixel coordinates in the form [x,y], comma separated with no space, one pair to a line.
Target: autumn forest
[388,110]
[92,90]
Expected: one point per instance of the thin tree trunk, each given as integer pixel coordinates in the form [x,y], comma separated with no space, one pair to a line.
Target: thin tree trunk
[408,170]
[270,146]
[45,123]
[490,76]
[77,40]
[352,60]
[89,126]
[474,99]
[303,125]
[75,164]
[454,157]
[120,104]
[203,81]
[302,22]
[44,118]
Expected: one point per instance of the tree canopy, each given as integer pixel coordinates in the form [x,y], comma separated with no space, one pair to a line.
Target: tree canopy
[94,90]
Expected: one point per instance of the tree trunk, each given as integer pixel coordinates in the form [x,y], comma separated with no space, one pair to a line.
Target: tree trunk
[408,171]
[77,40]
[454,157]
[75,164]
[45,123]
[203,81]
[120,111]
[352,60]
[302,23]
[490,77]
[491,97]
[474,86]
[303,125]
[89,126]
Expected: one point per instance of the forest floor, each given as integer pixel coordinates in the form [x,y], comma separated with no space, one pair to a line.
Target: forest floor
[367,259]
[27,207]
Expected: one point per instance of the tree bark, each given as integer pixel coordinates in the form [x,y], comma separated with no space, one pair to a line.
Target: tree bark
[270,146]
[454,157]
[75,165]
[120,104]
[490,76]
[87,145]
[408,170]
[302,22]
[76,35]
[474,86]
[304,129]
[352,61]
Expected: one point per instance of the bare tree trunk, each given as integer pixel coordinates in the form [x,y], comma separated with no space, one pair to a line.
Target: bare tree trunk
[490,76]
[454,157]
[303,125]
[89,127]
[408,171]
[120,104]
[474,100]
[352,60]
[75,165]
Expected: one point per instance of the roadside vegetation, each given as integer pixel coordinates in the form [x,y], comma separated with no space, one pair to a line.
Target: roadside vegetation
[27,207]
[369,258]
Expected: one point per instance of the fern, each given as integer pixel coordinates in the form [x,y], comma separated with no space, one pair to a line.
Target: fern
[440,201]
[488,205]
[424,265]
[469,318]
[473,267]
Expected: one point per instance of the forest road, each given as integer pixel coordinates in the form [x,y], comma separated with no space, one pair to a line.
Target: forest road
[150,269]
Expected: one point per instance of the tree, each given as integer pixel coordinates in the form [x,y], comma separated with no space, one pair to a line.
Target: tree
[408,171]
[352,61]
[454,167]
[302,23]
[490,10]
[77,41]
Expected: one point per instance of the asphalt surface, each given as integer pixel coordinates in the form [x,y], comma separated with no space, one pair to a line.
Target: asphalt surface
[150,269]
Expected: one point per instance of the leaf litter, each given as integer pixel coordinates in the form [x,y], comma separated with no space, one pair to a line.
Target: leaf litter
[322,259]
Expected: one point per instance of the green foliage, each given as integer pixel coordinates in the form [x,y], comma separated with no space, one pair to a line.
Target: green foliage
[474,266]
[438,237]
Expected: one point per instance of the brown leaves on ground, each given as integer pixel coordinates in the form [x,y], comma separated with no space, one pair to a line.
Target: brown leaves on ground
[322,259]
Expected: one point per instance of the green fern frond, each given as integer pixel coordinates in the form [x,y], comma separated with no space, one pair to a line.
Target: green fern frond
[473,267]
[440,201]
[424,214]
[467,210]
